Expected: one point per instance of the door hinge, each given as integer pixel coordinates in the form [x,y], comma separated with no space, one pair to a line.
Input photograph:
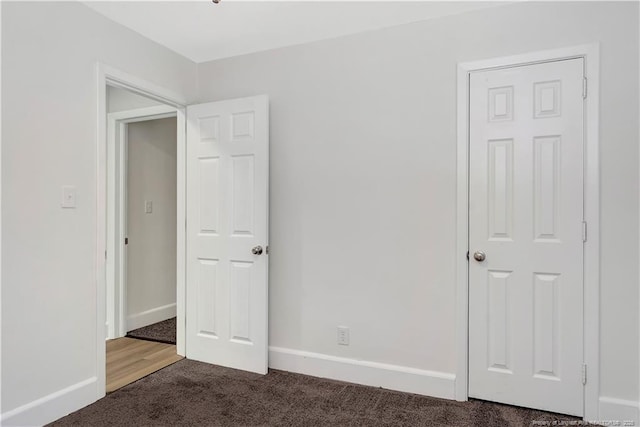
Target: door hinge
[584,231]
[467,255]
[266,249]
[584,88]
[584,374]
[126,240]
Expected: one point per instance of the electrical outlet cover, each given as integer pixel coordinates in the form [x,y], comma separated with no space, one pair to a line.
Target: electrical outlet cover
[343,335]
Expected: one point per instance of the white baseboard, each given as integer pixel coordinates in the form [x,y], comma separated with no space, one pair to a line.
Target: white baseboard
[612,410]
[393,377]
[54,406]
[150,317]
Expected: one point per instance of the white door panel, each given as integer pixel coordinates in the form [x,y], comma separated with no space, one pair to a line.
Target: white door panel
[525,214]
[227,216]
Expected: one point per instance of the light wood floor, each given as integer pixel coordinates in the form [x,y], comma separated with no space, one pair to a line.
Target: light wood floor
[129,359]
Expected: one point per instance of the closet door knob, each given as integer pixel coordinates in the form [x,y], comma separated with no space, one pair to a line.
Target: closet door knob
[479,256]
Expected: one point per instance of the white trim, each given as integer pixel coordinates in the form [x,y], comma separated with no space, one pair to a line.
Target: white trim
[101,232]
[150,317]
[0,210]
[140,86]
[53,406]
[590,53]
[612,409]
[116,210]
[462,239]
[392,377]
[143,114]
[181,226]
[108,75]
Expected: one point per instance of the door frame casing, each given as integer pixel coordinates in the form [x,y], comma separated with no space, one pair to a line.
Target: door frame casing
[107,75]
[591,260]
[117,124]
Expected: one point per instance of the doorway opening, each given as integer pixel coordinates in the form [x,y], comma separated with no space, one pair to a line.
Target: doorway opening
[142,234]
[228,224]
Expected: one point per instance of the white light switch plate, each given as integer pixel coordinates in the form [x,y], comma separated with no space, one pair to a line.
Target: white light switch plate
[148,206]
[68,197]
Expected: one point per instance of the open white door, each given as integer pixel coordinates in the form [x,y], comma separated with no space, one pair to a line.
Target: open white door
[227,233]
[526,236]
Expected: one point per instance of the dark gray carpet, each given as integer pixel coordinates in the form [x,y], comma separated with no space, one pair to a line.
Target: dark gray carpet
[190,393]
[164,331]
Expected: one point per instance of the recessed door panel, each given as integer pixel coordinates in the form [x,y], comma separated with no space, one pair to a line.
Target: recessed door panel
[207,300]
[500,194]
[547,99]
[243,194]
[242,126]
[501,104]
[546,187]
[241,286]
[209,186]
[545,323]
[499,344]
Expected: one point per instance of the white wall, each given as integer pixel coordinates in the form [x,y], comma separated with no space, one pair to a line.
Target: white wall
[49,55]
[151,253]
[363,179]
[122,100]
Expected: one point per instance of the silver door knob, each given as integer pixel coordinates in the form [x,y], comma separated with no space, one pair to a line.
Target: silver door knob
[257,250]
[479,256]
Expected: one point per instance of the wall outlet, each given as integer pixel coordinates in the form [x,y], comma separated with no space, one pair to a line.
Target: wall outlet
[148,206]
[343,335]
